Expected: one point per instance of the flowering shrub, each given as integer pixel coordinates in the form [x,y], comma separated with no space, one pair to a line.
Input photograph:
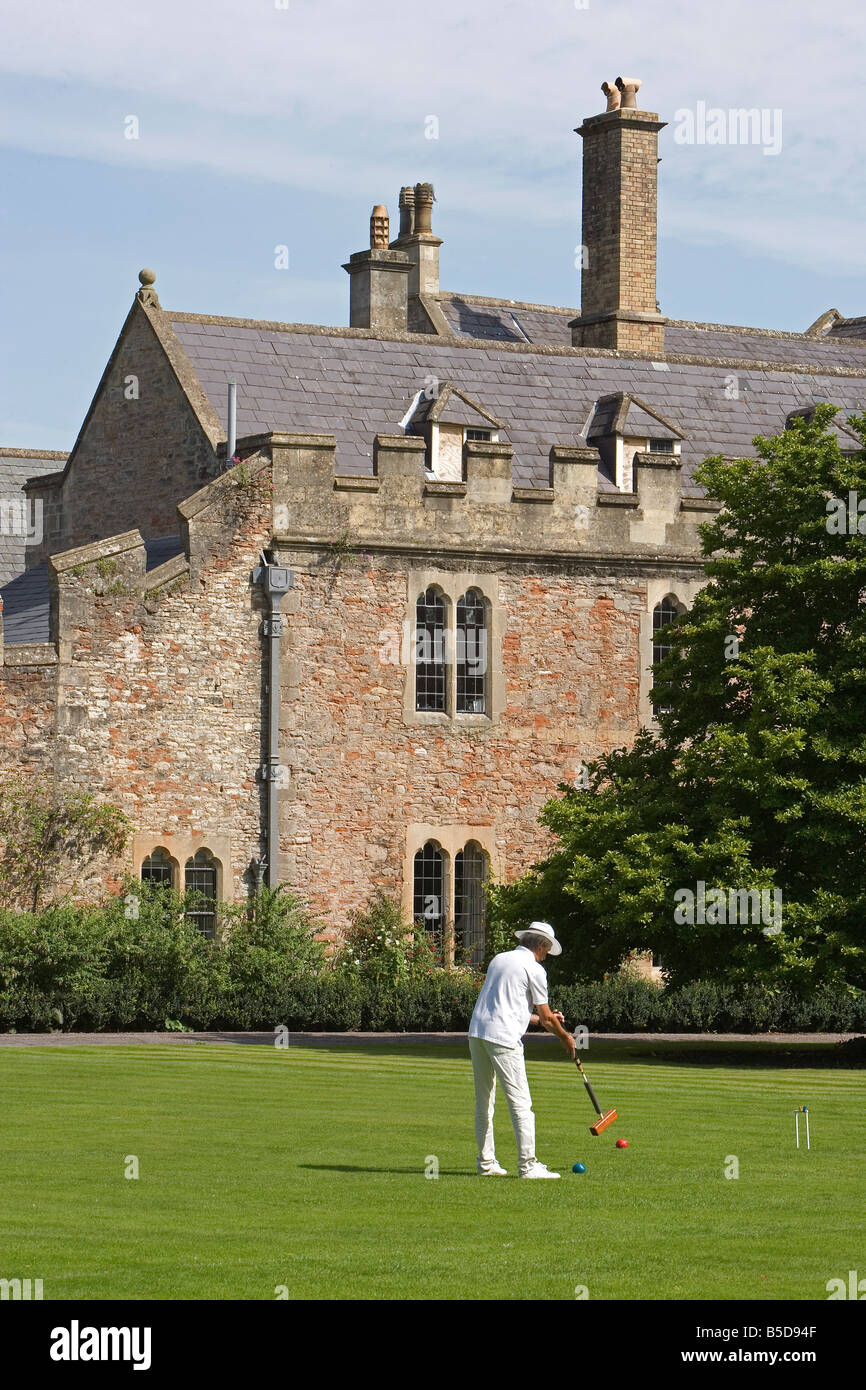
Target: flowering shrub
[381,946]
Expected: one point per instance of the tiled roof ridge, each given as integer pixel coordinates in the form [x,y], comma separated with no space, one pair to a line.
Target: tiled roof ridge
[11,452]
[537,349]
[740,328]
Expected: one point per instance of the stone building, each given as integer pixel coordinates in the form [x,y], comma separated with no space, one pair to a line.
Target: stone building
[451,532]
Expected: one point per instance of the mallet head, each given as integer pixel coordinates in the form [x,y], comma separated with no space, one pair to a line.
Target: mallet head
[603,1123]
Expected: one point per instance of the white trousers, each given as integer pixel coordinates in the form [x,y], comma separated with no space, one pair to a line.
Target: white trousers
[489,1061]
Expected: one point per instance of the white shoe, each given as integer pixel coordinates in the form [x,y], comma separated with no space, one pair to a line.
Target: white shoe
[538,1170]
[494,1171]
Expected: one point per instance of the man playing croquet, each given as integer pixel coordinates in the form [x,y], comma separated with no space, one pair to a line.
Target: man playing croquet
[514,994]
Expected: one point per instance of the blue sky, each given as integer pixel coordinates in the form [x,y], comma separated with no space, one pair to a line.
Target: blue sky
[261,125]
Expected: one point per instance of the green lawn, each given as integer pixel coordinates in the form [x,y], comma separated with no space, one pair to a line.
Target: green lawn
[305,1168]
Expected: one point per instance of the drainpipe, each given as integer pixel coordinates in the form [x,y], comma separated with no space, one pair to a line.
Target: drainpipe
[232,430]
[258,867]
[276,580]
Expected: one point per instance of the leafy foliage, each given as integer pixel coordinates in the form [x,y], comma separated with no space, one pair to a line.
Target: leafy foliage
[99,968]
[380,945]
[46,830]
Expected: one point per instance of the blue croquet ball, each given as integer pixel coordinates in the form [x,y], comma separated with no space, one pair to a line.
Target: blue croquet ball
[578,1168]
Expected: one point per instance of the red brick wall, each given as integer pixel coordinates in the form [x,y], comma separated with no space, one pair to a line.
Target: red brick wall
[359,774]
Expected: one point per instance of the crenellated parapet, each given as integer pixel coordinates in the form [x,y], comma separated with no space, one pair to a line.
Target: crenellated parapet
[401,506]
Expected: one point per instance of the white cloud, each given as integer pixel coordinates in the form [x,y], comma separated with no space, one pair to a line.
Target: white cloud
[333,96]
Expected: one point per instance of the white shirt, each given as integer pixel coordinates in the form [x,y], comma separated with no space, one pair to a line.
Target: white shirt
[514,984]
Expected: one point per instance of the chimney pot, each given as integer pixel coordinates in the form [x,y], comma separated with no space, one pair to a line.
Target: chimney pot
[424,199]
[407,210]
[379,228]
[421,246]
[629,87]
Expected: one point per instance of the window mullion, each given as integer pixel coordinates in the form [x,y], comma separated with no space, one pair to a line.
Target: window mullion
[451,660]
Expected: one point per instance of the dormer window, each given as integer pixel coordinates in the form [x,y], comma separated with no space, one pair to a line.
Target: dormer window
[621,426]
[447,421]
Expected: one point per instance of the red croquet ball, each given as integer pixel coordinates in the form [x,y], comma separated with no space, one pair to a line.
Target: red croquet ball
[622,1143]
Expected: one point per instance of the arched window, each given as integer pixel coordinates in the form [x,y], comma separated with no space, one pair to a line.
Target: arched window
[470,872]
[158,868]
[430,651]
[664,614]
[471,654]
[201,879]
[429,890]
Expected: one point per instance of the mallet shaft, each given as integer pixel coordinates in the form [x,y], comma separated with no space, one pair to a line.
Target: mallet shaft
[590,1091]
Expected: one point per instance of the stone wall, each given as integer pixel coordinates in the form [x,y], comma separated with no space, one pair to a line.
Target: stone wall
[148,441]
[156,699]
[361,777]
[150,696]
[568,574]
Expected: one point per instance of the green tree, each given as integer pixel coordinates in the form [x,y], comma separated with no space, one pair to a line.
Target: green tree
[48,832]
[755,778]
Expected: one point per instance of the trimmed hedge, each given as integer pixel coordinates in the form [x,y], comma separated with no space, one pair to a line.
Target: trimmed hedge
[706,1007]
[94,970]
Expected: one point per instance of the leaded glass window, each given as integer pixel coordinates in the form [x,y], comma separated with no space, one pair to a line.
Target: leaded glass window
[157,868]
[664,613]
[470,872]
[430,651]
[471,654]
[429,890]
[201,879]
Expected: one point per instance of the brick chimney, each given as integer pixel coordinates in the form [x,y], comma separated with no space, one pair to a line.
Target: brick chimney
[379,281]
[618,306]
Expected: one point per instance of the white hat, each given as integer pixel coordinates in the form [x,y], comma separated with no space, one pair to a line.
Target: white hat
[541,929]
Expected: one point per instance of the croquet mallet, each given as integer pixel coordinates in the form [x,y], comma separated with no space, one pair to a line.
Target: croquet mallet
[604,1119]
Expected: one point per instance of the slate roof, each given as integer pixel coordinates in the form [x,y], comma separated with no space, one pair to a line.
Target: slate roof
[16,466]
[718,385]
[470,316]
[355,386]
[848,328]
[25,607]
[26,600]
[161,549]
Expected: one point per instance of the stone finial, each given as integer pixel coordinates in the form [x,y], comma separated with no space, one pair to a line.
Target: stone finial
[147,294]
[629,87]
[612,93]
[379,228]
[424,200]
[407,210]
